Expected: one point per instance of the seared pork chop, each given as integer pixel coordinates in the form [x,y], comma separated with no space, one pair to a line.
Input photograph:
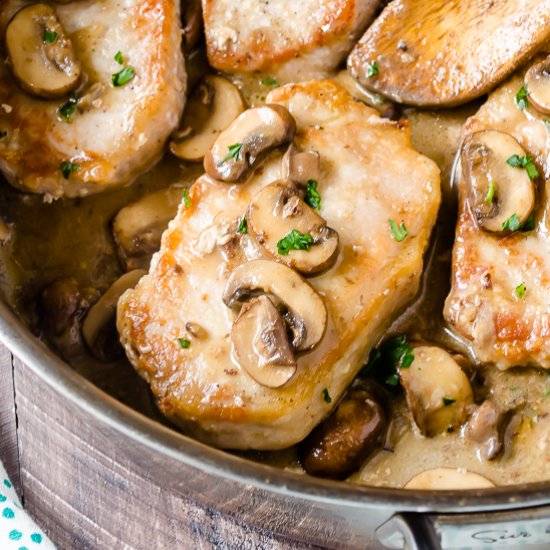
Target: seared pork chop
[177,331]
[113,132]
[293,40]
[500,296]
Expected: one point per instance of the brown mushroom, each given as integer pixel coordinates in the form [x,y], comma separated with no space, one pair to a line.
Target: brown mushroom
[99,327]
[300,166]
[339,445]
[487,427]
[302,308]
[41,54]
[248,138]
[191,19]
[537,82]
[138,227]
[446,479]
[212,107]
[498,192]
[261,345]
[437,390]
[275,212]
[62,306]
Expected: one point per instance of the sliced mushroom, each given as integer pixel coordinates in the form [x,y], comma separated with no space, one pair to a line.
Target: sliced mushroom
[339,445]
[487,428]
[251,135]
[300,166]
[537,82]
[41,54]
[276,211]
[437,390]
[212,107]
[99,328]
[447,479]
[260,341]
[303,309]
[138,227]
[62,306]
[497,191]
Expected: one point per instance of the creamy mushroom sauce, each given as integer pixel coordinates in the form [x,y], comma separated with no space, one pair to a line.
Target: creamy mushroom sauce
[74,238]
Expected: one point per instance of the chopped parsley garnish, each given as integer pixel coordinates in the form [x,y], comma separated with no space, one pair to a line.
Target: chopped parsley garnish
[184,342]
[546,394]
[373,69]
[294,241]
[491,193]
[186,199]
[119,58]
[529,224]
[49,37]
[233,153]
[524,162]
[313,198]
[547,124]
[67,168]
[511,223]
[448,401]
[520,290]
[243,227]
[123,77]
[326,396]
[67,110]
[269,81]
[522,100]
[399,232]
[3,133]
[385,362]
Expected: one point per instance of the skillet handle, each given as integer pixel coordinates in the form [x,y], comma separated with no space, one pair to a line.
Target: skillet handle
[485,530]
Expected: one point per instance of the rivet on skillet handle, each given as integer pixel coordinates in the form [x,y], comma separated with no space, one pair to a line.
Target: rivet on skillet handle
[528,527]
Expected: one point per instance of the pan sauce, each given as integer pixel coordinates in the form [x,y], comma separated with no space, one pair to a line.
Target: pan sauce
[73,237]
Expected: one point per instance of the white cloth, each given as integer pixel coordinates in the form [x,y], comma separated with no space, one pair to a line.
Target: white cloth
[17,530]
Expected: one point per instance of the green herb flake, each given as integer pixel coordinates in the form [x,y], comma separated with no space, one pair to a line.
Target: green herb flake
[233,153]
[529,224]
[491,193]
[186,199]
[385,362]
[326,396]
[67,168]
[546,394]
[522,100]
[67,110]
[184,343]
[399,232]
[448,401]
[511,223]
[269,81]
[3,133]
[119,58]
[312,197]
[123,77]
[547,124]
[243,226]
[524,162]
[294,241]
[49,37]
[373,69]
[520,290]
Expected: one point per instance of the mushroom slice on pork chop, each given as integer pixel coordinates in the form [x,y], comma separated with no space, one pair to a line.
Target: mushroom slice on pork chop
[369,174]
[90,93]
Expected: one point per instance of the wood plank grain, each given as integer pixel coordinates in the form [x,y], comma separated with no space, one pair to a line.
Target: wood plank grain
[86,493]
[9,453]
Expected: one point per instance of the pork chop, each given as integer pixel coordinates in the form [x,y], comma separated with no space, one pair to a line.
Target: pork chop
[292,40]
[504,323]
[113,132]
[369,174]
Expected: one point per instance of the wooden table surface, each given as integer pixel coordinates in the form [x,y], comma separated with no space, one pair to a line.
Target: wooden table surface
[85,493]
